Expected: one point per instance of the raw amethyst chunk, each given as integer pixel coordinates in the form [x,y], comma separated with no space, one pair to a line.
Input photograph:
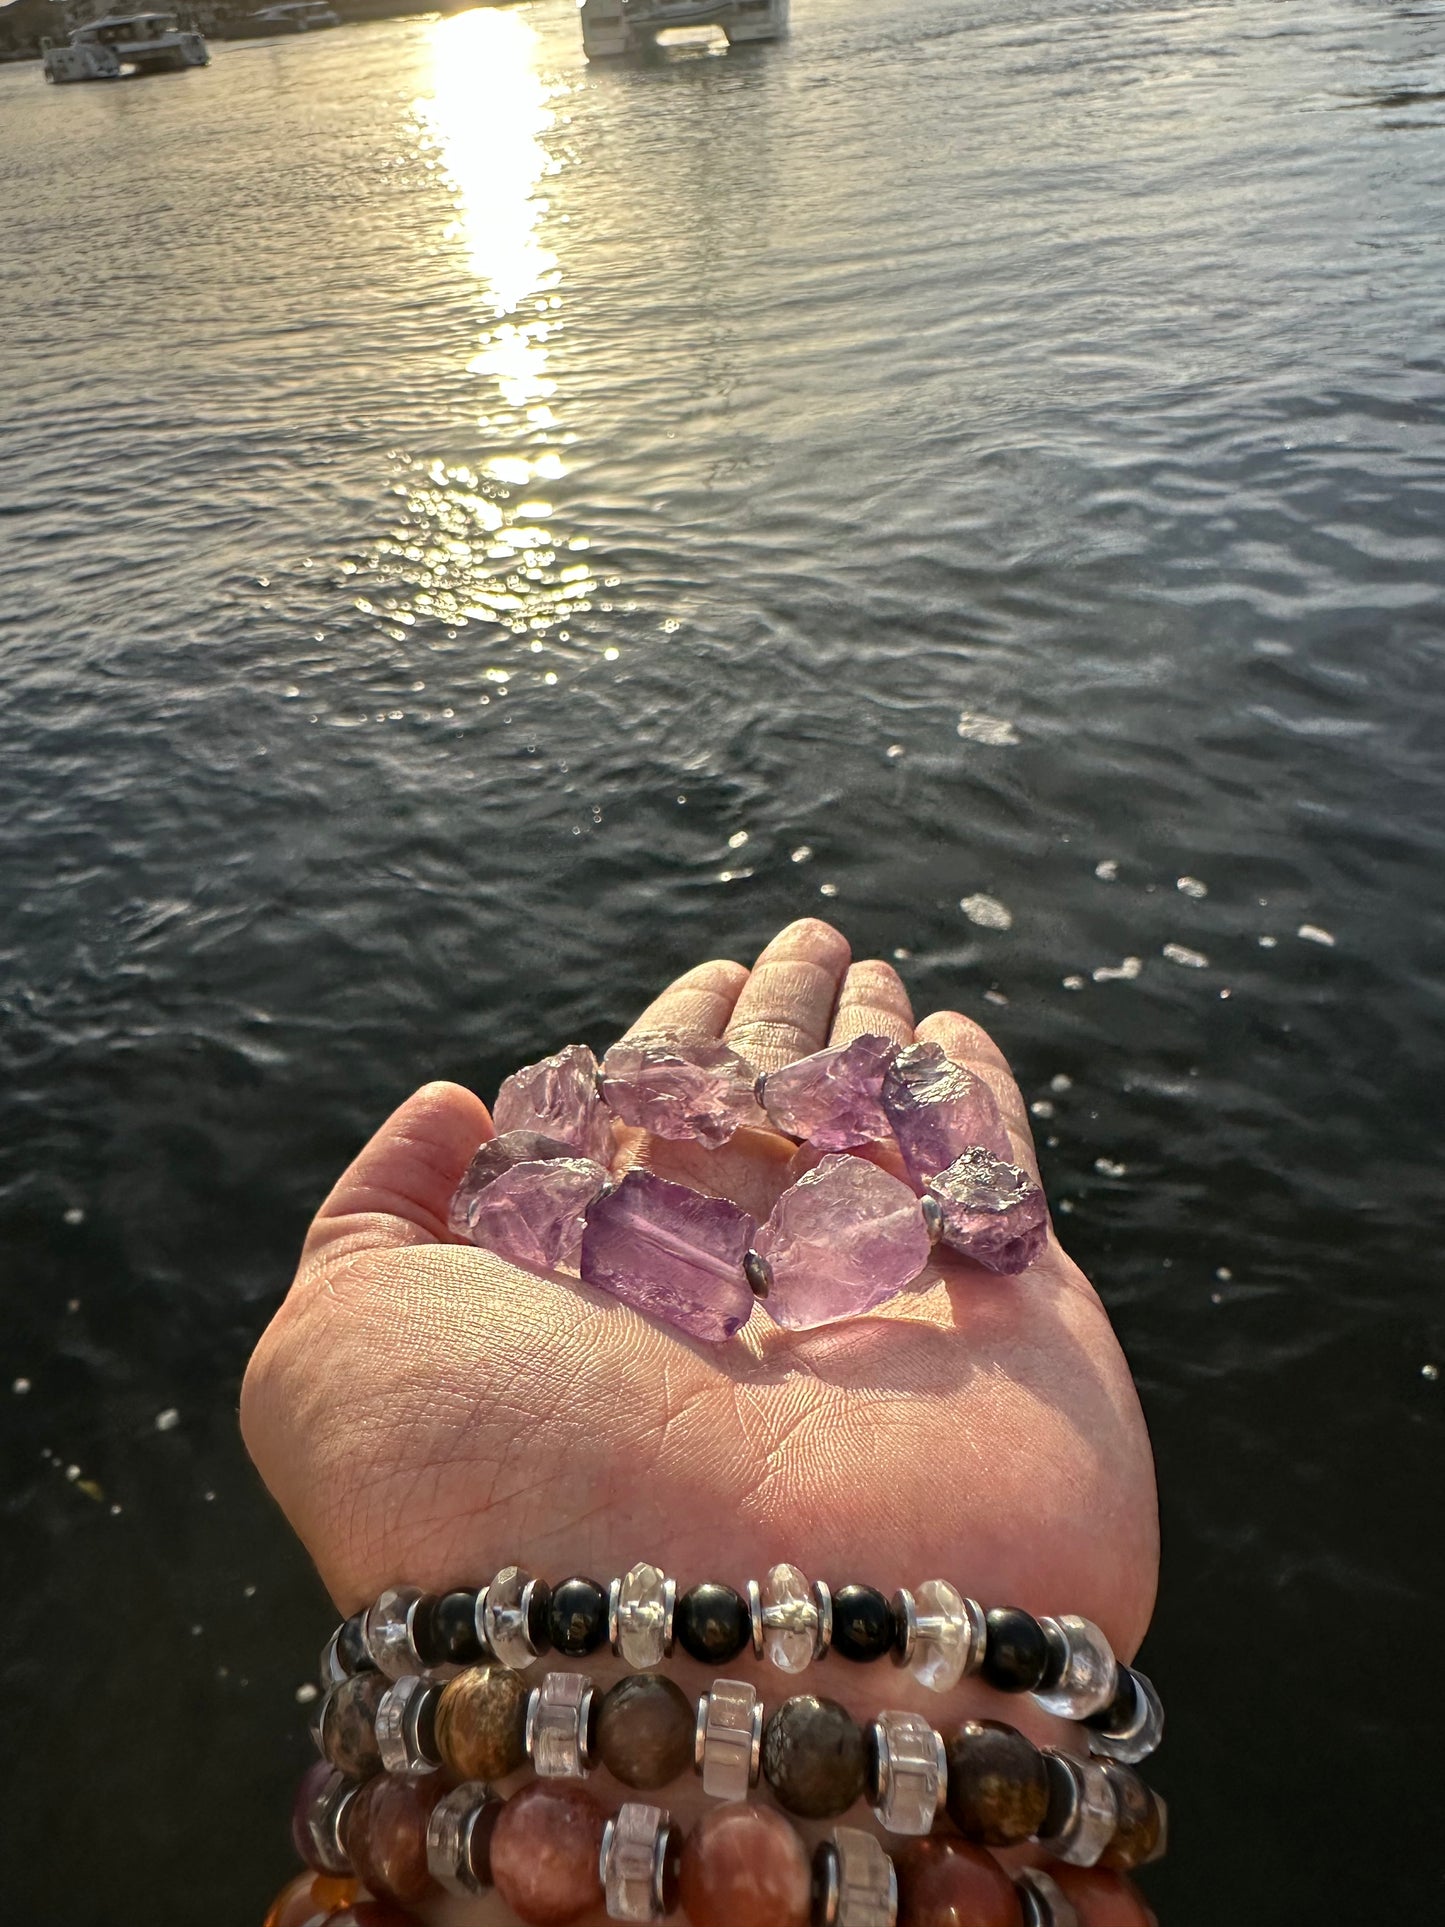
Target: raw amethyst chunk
[558,1097]
[939,1110]
[672,1253]
[992,1212]
[680,1087]
[523,1197]
[845,1238]
[833,1099]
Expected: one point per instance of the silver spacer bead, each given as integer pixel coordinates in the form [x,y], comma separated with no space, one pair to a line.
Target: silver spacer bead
[854,1881]
[633,1861]
[1091,1811]
[325,1824]
[449,1830]
[728,1739]
[398,1727]
[932,1218]
[559,1713]
[1042,1901]
[978,1627]
[759,1273]
[755,1616]
[760,1085]
[905,1612]
[911,1772]
[330,1671]
[823,1599]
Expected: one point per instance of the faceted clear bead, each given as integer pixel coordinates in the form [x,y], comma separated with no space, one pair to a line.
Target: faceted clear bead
[911,1769]
[558,1097]
[449,1838]
[399,1734]
[388,1631]
[1042,1901]
[323,1825]
[558,1717]
[1090,1673]
[944,1637]
[1091,1816]
[855,1881]
[729,1741]
[1139,1736]
[790,1619]
[634,1856]
[641,1614]
[504,1617]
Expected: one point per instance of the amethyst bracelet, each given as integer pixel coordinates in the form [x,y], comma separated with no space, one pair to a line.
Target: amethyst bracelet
[843,1239]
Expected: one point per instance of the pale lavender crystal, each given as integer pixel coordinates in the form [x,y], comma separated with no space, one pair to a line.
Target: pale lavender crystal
[528,1208]
[672,1253]
[845,1238]
[993,1212]
[939,1110]
[558,1097]
[680,1087]
[833,1099]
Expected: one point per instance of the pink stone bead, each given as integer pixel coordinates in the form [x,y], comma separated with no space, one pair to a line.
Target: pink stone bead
[938,1110]
[386,1836]
[944,1882]
[833,1099]
[558,1097]
[745,1866]
[681,1087]
[845,1238]
[531,1213]
[993,1212]
[545,1853]
[673,1253]
[1104,1899]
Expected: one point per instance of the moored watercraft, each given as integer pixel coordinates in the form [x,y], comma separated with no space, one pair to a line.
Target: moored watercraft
[124,44]
[614,27]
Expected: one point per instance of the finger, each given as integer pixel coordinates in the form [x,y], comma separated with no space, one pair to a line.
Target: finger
[874,1003]
[700,1002]
[969,1044]
[396,1191]
[786,1006]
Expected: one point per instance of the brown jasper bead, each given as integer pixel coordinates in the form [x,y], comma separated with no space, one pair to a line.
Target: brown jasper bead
[645,1731]
[349,1725]
[385,1829]
[948,1883]
[1137,1834]
[481,1723]
[309,1897]
[998,1786]
[1104,1899]
[744,1866]
[813,1757]
[544,1853]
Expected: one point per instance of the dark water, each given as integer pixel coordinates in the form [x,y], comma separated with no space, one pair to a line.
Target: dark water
[477,534]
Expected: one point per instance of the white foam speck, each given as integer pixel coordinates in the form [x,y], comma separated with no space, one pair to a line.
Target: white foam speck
[75,1215]
[827,889]
[1180,953]
[1107,1168]
[1060,1082]
[1106,871]
[902,954]
[1429,1371]
[1312,933]
[1074,983]
[994,997]
[802,853]
[974,727]
[20,1387]
[737,839]
[987,912]
[168,1420]
[895,750]
[1066,1205]
[305,1694]
[72,1472]
[1268,943]
[1192,887]
[1223,1274]
[1123,973]
[1041,1107]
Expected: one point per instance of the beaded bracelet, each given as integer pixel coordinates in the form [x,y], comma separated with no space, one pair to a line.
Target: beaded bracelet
[1066,1663]
[842,1240]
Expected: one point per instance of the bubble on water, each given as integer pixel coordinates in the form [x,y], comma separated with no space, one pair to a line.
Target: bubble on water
[987,912]
[1312,933]
[168,1420]
[1107,1168]
[975,727]
[1180,953]
[1191,887]
[1106,871]
[1060,1082]
[1123,973]
[803,853]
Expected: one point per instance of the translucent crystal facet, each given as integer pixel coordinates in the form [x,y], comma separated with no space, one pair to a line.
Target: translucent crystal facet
[729,1739]
[318,1822]
[992,1212]
[944,1636]
[558,1720]
[402,1737]
[558,1096]
[449,1838]
[680,1087]
[938,1110]
[503,1617]
[634,1856]
[641,1613]
[833,1099]
[388,1631]
[790,1619]
[530,1210]
[855,1881]
[845,1238]
[672,1253]
[1081,1823]
[1136,1728]
[910,1769]
[1090,1673]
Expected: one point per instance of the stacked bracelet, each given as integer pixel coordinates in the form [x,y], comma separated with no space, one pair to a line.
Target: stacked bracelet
[843,1239]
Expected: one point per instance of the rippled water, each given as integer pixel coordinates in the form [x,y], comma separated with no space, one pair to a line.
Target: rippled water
[477,533]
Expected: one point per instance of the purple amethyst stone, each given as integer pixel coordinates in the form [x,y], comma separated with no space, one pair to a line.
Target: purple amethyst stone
[842,1240]
[992,1212]
[680,1087]
[671,1253]
[939,1110]
[558,1097]
[523,1196]
[833,1099]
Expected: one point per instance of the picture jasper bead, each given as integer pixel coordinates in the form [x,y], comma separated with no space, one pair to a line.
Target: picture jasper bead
[577,1617]
[348,1724]
[1016,1657]
[863,1624]
[481,1723]
[385,1831]
[645,1731]
[998,1785]
[445,1634]
[1136,1834]
[712,1623]
[545,1853]
[814,1757]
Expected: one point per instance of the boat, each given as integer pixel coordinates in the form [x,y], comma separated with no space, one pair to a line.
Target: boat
[614,27]
[293,16]
[121,45]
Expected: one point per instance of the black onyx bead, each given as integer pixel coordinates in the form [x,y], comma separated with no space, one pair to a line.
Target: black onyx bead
[1121,1712]
[814,1757]
[1016,1654]
[863,1623]
[577,1617]
[444,1630]
[351,1650]
[539,1616]
[712,1623]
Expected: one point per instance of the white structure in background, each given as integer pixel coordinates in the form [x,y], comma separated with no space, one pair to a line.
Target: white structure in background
[612,27]
[121,44]
[295,16]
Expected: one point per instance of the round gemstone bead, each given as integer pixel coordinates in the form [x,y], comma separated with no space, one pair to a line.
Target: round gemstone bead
[558,1097]
[481,1722]
[545,1853]
[680,1087]
[712,1623]
[842,1240]
[513,1617]
[1131,1726]
[945,1634]
[577,1617]
[1139,1827]
[388,1631]
[351,1652]
[744,1866]
[790,1619]
[640,1615]
[348,1724]
[459,1836]
[1082,1813]
[645,1731]
[863,1624]
[1016,1655]
[446,1634]
[998,1786]
[310,1899]
[946,1883]
[386,1837]
[1087,1682]
[813,1757]
[1103,1899]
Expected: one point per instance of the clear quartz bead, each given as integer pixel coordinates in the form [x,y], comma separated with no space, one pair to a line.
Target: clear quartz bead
[634,1854]
[856,1885]
[387,1631]
[503,1615]
[558,1717]
[1141,1735]
[944,1635]
[911,1772]
[325,1824]
[1090,1673]
[1092,1812]
[728,1746]
[1042,1901]
[398,1727]
[790,1619]
[640,1616]
[449,1838]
